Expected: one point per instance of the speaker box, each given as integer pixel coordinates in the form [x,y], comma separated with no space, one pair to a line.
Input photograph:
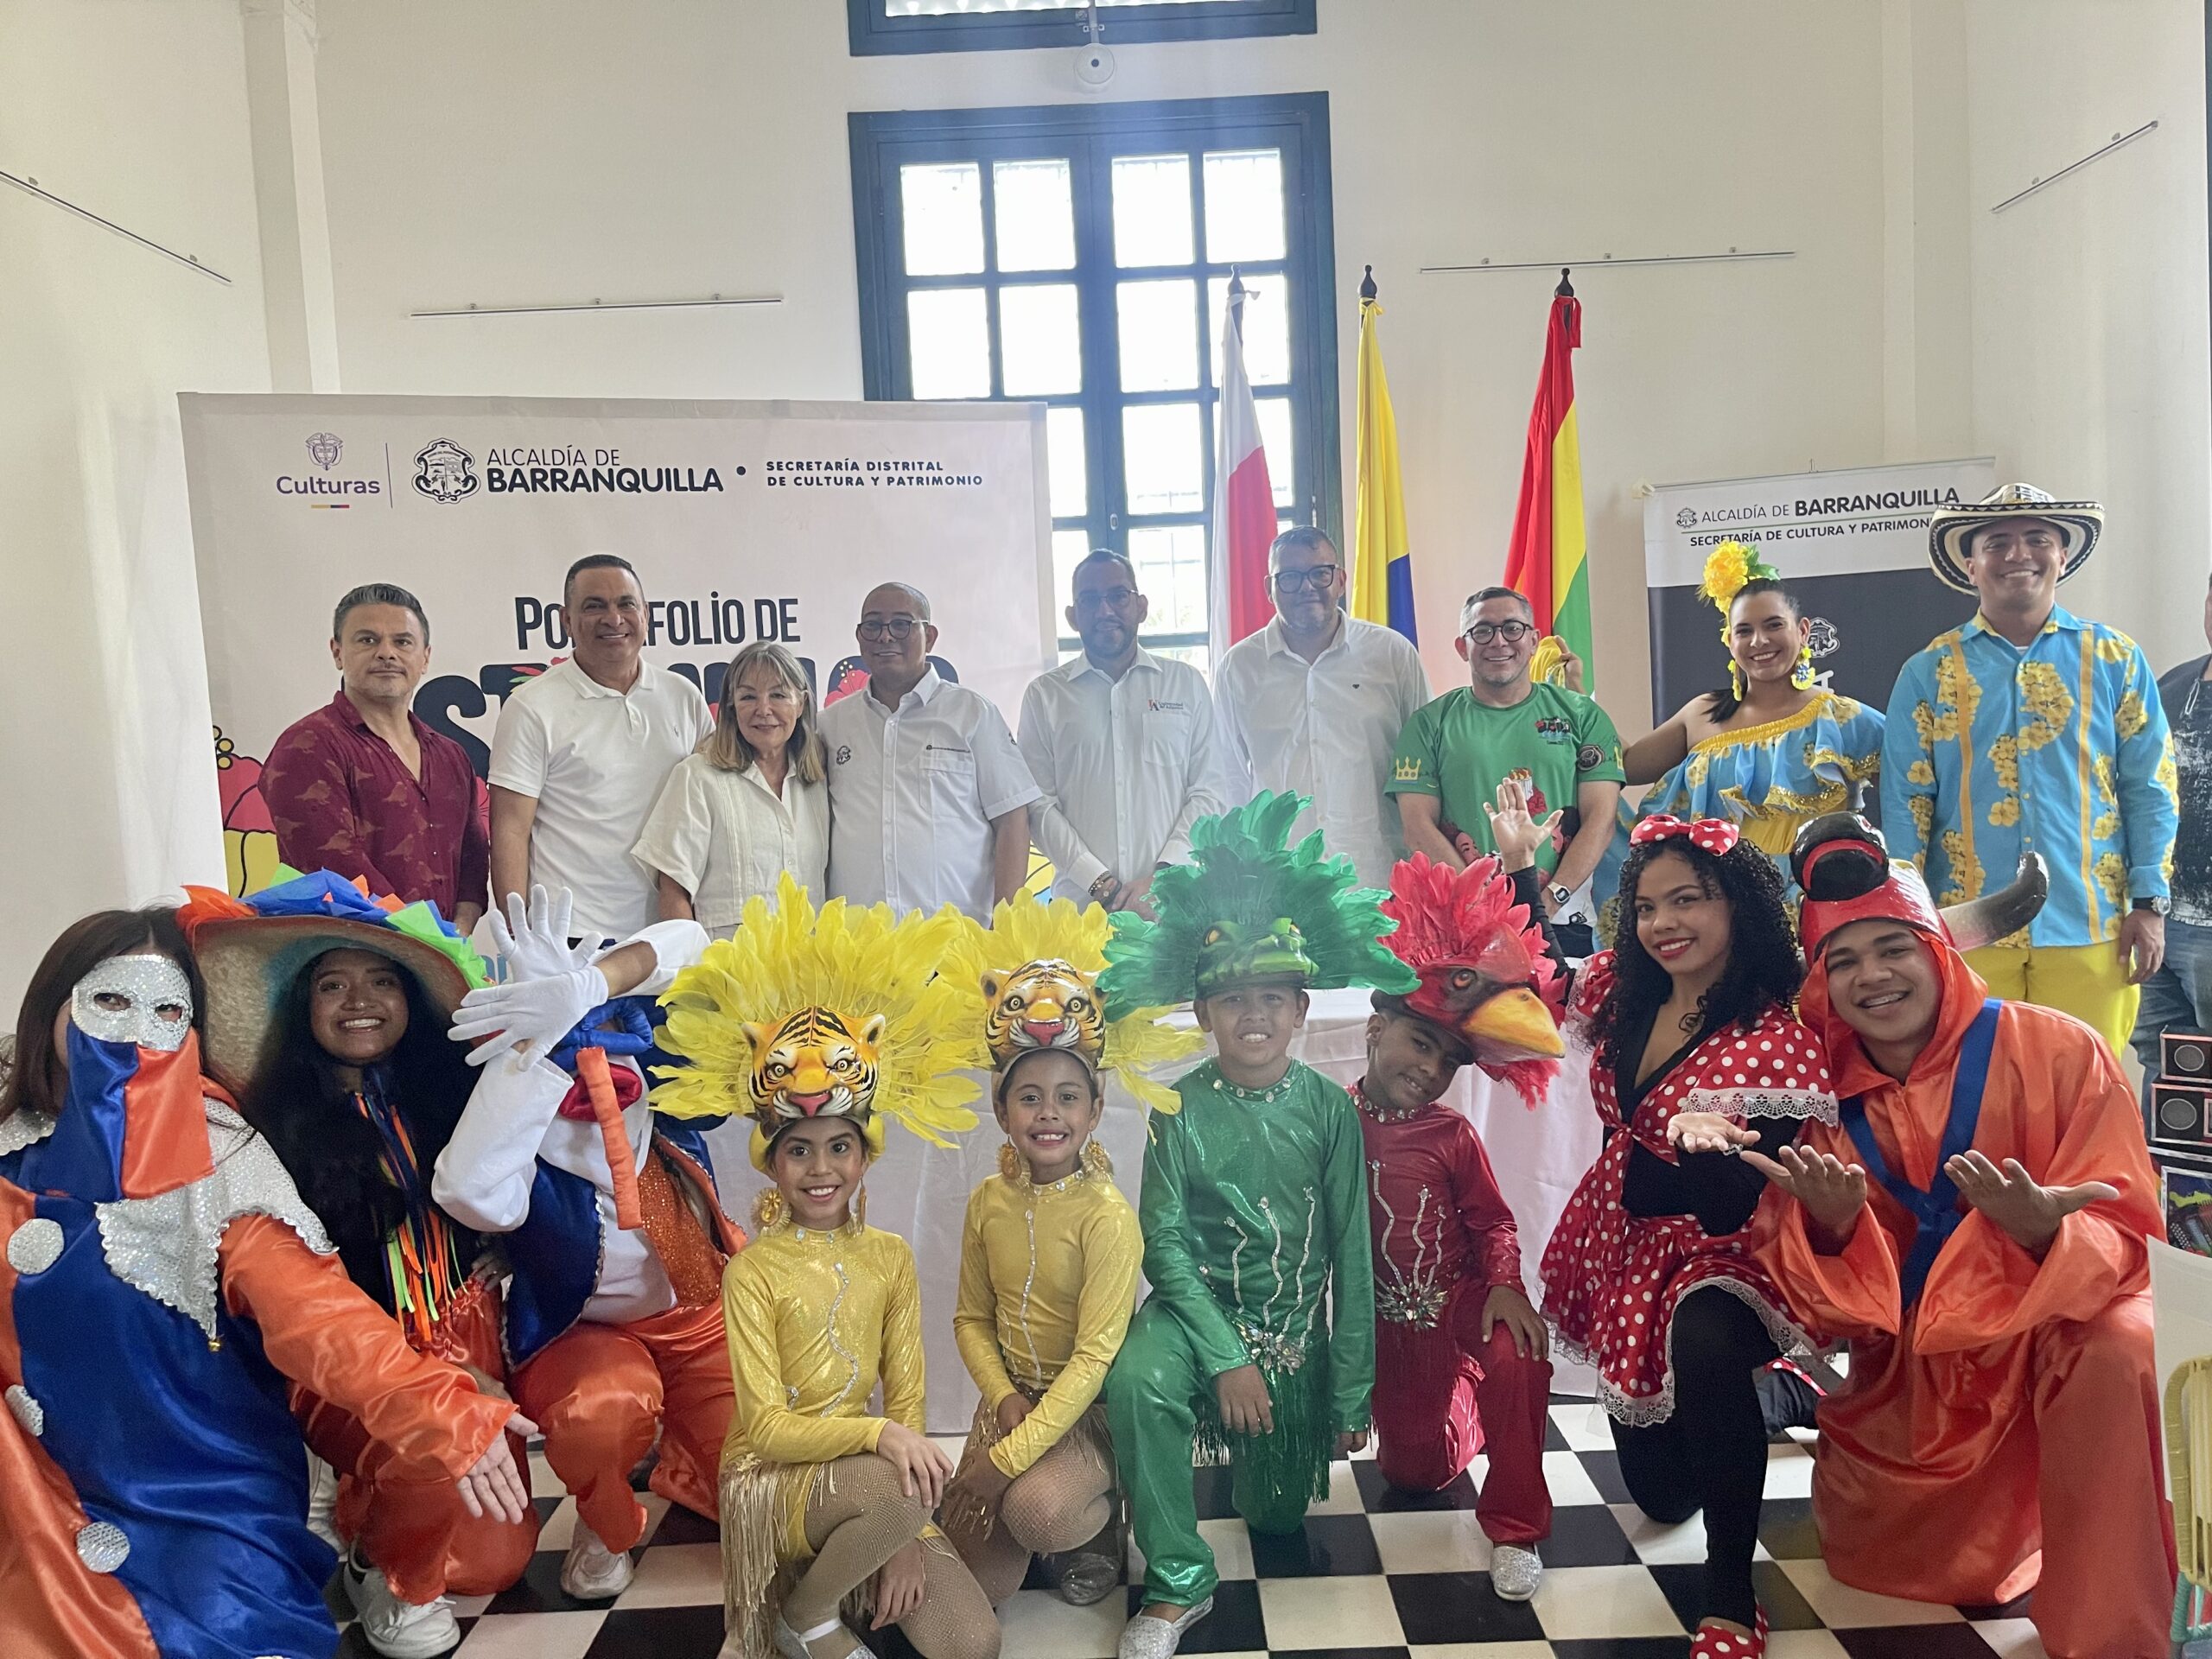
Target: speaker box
[2185,1056]
[2181,1116]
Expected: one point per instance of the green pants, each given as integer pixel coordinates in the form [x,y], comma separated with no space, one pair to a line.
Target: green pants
[1157,1395]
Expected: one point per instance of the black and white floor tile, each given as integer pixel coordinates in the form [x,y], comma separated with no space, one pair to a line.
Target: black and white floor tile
[1374,1574]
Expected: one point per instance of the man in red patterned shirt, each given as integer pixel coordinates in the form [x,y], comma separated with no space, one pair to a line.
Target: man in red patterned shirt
[363,787]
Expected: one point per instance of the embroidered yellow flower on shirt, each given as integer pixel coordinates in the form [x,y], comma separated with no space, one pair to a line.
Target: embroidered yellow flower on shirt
[1966,868]
[2112,875]
[2114,646]
[2131,719]
[2049,703]
[1920,772]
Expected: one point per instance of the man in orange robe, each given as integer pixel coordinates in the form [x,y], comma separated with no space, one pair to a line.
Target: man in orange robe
[1982,1248]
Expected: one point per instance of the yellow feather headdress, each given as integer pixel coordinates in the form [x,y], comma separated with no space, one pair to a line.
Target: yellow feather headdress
[1029,945]
[834,1011]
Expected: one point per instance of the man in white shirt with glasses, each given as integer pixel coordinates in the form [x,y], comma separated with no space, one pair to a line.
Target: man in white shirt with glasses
[1315,702]
[1122,744]
[929,798]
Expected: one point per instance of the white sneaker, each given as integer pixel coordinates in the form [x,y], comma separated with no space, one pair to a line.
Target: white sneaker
[1515,1572]
[1158,1638]
[592,1572]
[322,1501]
[396,1629]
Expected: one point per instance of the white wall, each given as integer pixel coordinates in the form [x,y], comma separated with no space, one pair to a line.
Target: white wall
[563,149]
[137,110]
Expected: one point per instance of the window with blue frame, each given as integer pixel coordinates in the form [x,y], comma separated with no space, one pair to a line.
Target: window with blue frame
[881,26]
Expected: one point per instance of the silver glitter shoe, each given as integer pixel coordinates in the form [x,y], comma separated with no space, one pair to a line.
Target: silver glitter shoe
[1089,1574]
[1515,1572]
[1158,1638]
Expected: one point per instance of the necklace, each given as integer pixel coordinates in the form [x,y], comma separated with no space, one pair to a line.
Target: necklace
[1383,1113]
[1267,1096]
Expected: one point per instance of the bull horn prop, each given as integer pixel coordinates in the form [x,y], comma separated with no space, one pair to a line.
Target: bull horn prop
[1999,915]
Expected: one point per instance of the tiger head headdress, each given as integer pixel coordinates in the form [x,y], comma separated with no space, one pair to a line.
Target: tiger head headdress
[1030,982]
[835,1013]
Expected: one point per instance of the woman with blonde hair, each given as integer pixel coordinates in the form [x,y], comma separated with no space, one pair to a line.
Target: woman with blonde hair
[750,805]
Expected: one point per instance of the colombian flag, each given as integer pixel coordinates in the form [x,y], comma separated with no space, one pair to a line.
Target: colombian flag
[1383,568]
[1547,561]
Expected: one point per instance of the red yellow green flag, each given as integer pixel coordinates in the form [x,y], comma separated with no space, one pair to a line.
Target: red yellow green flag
[1548,559]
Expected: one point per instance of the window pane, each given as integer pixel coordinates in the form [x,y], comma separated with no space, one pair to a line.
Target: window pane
[1041,345]
[1267,327]
[1243,205]
[949,336]
[1034,208]
[1069,469]
[1159,324]
[1198,657]
[1151,210]
[1163,468]
[1274,440]
[1171,562]
[1069,547]
[943,204]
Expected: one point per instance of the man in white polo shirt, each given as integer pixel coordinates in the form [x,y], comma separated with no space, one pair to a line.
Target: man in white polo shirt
[929,798]
[581,754]
[1315,702]
[1122,744]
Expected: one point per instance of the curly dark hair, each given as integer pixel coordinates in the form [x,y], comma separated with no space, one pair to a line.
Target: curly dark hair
[332,1152]
[1763,971]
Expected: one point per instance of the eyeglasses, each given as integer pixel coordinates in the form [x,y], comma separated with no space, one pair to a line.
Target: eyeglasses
[1512,632]
[1116,598]
[901,628]
[1318,579]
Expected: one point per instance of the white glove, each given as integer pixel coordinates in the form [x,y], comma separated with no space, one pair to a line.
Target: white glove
[524,1011]
[536,942]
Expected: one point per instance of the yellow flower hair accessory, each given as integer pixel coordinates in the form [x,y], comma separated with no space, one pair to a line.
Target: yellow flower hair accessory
[1727,567]
[1030,981]
[834,1013]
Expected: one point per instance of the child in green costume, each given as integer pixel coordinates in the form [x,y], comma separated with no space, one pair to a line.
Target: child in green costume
[1253,1200]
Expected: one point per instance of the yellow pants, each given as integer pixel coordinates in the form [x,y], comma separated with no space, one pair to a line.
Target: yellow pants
[2087,981]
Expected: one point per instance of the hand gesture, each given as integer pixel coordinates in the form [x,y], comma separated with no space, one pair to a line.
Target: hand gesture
[1507,1306]
[1707,1131]
[900,1583]
[1011,1412]
[2011,1198]
[553,984]
[923,1469]
[2142,945]
[535,942]
[1832,1190]
[1245,1408]
[1512,831]
[492,1485]
[1570,666]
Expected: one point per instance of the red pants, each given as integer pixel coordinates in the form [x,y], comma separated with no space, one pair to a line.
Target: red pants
[416,1531]
[1442,1395]
[598,1391]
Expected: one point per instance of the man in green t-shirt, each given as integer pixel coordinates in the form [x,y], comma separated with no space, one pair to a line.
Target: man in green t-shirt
[1453,753]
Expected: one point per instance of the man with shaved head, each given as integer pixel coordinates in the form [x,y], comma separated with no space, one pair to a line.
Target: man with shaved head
[929,798]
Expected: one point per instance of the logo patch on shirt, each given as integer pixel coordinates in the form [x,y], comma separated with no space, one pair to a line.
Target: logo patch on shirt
[1555,729]
[844,753]
[1408,770]
[1161,706]
[1587,758]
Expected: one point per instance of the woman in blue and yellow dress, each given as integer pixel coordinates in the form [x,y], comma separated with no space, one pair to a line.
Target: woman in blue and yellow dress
[1770,750]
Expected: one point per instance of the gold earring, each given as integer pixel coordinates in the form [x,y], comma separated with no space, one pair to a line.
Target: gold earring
[1011,1168]
[767,1209]
[1736,679]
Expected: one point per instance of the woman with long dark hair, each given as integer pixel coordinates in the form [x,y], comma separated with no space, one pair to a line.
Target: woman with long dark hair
[329,1015]
[162,1281]
[1648,1276]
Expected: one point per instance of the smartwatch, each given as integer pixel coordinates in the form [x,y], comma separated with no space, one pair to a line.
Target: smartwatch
[2157,906]
[1558,896]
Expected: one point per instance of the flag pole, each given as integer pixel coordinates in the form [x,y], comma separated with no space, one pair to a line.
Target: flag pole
[1565,289]
[1367,289]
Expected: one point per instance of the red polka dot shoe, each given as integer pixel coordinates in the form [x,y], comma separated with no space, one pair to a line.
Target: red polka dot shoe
[1714,1643]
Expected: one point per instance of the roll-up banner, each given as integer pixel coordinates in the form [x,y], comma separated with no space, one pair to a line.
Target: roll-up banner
[745,520]
[1852,545]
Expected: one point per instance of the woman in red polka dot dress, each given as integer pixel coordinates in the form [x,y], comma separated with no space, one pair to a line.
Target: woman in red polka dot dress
[1648,1276]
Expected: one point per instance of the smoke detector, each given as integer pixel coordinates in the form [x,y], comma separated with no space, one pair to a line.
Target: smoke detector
[1094,68]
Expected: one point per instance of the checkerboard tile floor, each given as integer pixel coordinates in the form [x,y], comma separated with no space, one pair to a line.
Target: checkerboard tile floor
[1374,1574]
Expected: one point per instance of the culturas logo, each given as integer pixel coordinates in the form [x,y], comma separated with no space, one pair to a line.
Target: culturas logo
[445,472]
[324,448]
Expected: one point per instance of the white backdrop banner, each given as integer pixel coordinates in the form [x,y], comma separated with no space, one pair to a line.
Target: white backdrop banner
[1852,545]
[746,521]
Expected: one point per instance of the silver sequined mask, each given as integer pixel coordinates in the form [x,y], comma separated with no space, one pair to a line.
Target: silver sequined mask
[143,999]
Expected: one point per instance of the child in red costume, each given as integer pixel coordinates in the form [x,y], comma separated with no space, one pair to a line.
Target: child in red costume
[1975,1227]
[1460,1354]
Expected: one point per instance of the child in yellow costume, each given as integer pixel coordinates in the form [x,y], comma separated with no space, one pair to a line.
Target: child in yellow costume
[1050,1254]
[817,1024]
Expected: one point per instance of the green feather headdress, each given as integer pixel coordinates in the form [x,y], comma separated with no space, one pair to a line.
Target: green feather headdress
[1247,907]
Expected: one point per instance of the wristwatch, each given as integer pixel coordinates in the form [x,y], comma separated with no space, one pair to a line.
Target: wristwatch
[2157,906]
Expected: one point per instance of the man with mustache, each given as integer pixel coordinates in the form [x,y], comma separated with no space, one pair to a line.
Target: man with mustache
[1975,1227]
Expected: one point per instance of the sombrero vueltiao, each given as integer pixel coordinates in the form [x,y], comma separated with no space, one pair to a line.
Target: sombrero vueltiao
[250,951]
[2080,522]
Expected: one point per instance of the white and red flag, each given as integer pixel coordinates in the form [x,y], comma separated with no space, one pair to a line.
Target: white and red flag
[1243,499]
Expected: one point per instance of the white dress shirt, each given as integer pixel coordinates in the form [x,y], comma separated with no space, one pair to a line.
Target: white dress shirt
[1127,766]
[912,791]
[483,1177]
[725,837]
[594,760]
[1325,729]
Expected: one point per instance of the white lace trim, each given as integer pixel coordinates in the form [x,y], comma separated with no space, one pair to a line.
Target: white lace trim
[1754,1101]
[1642,1410]
[166,1246]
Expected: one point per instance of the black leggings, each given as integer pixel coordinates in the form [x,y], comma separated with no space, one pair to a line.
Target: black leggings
[1711,1455]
